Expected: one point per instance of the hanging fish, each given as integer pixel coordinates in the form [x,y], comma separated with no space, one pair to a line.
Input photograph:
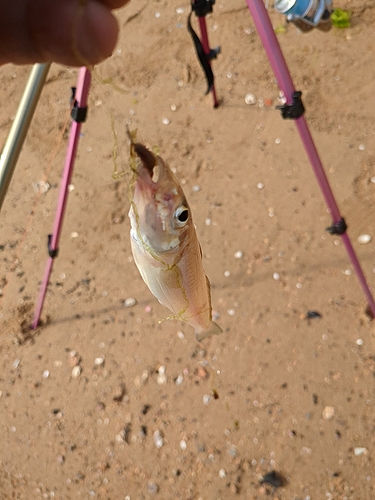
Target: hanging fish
[164,243]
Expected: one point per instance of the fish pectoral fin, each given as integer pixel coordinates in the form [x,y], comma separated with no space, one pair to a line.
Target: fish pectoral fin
[213,329]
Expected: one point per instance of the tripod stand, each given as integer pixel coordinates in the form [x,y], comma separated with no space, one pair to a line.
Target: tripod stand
[293,109]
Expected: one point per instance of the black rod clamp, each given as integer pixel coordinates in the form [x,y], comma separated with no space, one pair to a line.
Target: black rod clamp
[77,114]
[294,110]
[52,252]
[202,7]
[339,227]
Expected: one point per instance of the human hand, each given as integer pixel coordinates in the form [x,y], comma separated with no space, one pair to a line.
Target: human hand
[69,32]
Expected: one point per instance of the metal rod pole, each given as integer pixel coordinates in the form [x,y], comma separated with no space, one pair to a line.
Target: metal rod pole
[18,131]
[284,80]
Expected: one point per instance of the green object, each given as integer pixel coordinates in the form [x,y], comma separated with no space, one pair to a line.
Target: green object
[341,18]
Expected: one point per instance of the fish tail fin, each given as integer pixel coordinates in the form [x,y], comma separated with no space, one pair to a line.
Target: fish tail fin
[213,329]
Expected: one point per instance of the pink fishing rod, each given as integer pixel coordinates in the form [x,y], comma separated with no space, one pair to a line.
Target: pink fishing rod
[294,109]
[206,48]
[79,111]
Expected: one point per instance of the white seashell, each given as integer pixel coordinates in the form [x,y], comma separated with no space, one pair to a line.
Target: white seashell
[360,451]
[130,302]
[328,412]
[158,439]
[222,473]
[76,372]
[364,239]
[250,99]
[161,378]
[99,361]
[206,399]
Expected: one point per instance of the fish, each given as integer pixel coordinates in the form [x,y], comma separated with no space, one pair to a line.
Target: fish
[164,242]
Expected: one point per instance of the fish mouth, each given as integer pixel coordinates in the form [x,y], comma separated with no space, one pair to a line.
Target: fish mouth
[150,163]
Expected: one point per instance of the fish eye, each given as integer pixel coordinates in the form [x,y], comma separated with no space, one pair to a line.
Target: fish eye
[181,215]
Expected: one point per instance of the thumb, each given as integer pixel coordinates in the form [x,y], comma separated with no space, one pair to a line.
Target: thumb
[70,32]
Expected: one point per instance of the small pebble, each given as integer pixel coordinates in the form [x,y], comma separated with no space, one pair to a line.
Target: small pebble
[359,342]
[43,187]
[196,189]
[46,374]
[231,312]
[372,180]
[250,99]
[157,15]
[173,107]
[215,315]
[222,473]
[152,488]
[158,439]
[183,445]
[76,372]
[16,363]
[161,378]
[358,451]
[328,412]
[74,358]
[130,302]
[71,188]
[74,234]
[364,239]
[166,121]
[361,147]
[260,185]
[179,379]
[180,10]
[312,315]
[180,335]
[238,254]
[120,437]
[227,274]
[99,361]
[277,140]
[273,478]
[208,222]
[276,276]
[206,399]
